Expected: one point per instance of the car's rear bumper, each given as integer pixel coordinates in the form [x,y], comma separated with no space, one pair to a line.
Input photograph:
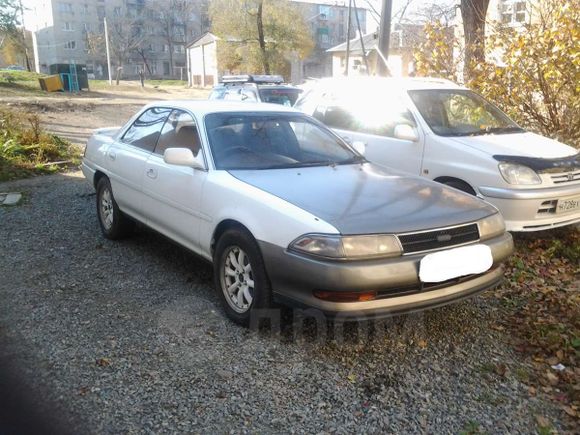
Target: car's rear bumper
[533,209]
[295,278]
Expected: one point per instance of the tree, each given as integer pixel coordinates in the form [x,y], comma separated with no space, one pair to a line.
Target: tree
[174,19]
[533,72]
[473,13]
[126,36]
[259,35]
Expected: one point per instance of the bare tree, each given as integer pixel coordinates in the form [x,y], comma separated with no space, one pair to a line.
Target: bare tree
[126,35]
[175,20]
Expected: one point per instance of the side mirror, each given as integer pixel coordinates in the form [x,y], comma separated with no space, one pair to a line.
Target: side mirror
[360,147]
[182,157]
[406,132]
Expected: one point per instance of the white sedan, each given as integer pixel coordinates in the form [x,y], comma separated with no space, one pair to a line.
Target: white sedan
[287,211]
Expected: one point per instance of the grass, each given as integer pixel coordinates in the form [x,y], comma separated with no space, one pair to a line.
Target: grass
[26,149]
[20,83]
[133,84]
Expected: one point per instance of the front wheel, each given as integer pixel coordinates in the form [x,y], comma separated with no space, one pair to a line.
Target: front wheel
[240,276]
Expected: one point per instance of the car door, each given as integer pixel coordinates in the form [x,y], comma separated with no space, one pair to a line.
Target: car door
[173,193]
[378,128]
[126,159]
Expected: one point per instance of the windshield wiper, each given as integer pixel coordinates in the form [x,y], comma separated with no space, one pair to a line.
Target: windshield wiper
[353,159]
[298,165]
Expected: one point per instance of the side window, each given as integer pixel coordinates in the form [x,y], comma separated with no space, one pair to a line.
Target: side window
[180,131]
[338,117]
[248,95]
[146,129]
[364,118]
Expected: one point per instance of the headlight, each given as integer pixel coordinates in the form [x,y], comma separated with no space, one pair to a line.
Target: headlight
[491,226]
[518,174]
[345,247]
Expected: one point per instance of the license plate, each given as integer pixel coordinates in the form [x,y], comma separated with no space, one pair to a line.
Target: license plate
[453,263]
[568,205]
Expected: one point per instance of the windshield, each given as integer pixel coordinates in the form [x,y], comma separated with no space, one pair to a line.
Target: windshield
[273,141]
[286,97]
[460,112]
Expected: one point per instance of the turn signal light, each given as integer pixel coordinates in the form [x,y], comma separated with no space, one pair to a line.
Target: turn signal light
[345,296]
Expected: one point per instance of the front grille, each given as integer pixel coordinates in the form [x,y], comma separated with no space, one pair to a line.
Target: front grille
[436,239]
[548,207]
[565,177]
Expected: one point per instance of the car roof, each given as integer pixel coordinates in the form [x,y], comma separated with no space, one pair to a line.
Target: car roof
[202,107]
[258,85]
[394,83]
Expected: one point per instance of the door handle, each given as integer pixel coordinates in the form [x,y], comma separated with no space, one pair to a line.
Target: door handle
[112,155]
[151,173]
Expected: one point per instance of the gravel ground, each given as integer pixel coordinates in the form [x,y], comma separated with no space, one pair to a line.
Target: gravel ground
[125,337]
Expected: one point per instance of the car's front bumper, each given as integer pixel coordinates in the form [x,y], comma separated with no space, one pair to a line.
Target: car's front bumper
[533,209]
[295,278]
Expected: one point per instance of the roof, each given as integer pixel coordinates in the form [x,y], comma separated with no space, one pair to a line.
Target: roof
[202,107]
[394,83]
[370,42]
[206,38]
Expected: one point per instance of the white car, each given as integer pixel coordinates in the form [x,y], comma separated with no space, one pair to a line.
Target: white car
[287,211]
[447,133]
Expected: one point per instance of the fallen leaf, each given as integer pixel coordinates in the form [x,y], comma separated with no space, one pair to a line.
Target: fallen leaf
[568,410]
[422,344]
[352,378]
[103,362]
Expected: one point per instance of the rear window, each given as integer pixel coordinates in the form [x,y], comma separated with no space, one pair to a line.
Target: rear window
[285,97]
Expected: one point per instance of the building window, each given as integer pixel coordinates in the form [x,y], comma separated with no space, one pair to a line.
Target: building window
[513,12]
[166,49]
[101,12]
[179,49]
[86,27]
[86,9]
[65,7]
[67,27]
[70,45]
[117,12]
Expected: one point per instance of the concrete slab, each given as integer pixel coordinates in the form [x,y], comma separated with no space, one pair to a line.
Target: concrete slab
[11,198]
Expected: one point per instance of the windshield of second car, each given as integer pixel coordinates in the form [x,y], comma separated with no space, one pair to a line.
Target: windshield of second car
[273,141]
[460,112]
[286,97]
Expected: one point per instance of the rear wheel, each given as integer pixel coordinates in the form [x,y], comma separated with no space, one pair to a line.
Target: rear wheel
[114,224]
[240,276]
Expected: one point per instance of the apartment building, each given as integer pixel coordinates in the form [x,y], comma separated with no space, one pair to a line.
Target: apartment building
[142,35]
[328,22]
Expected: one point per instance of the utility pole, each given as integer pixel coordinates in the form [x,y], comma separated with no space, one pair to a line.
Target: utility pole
[384,38]
[108,53]
[348,39]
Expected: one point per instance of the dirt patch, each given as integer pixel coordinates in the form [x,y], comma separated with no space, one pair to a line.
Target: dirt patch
[75,116]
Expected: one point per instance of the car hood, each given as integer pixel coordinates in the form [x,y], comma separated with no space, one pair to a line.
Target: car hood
[517,144]
[368,199]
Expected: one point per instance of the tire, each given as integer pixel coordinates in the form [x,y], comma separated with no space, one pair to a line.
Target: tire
[237,251]
[114,223]
[460,185]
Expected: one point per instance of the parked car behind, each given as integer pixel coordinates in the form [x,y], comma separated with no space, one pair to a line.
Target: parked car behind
[287,211]
[449,134]
[256,88]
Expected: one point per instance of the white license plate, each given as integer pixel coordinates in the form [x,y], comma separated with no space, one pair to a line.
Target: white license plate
[568,205]
[456,262]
